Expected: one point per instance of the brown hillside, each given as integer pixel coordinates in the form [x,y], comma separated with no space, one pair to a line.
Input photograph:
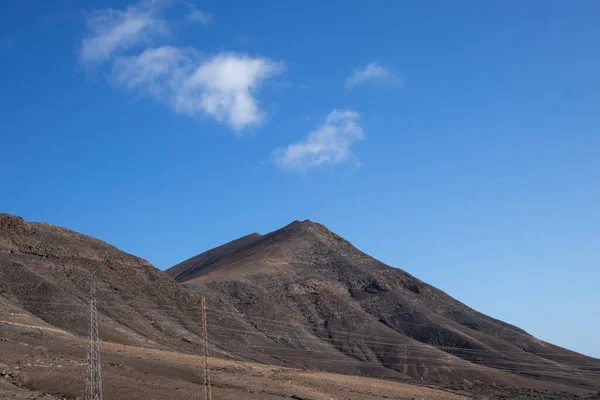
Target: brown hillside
[300,297]
[320,299]
[45,272]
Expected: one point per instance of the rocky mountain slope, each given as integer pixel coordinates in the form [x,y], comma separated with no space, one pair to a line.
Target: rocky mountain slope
[328,305]
[298,297]
[45,274]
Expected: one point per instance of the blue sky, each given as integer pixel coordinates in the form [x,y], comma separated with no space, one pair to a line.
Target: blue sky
[456,140]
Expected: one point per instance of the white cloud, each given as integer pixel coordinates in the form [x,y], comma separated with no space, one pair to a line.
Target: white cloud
[200,17]
[372,72]
[223,86]
[329,144]
[156,71]
[112,30]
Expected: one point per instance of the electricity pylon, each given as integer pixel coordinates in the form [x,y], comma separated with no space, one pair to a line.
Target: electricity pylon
[206,375]
[93,380]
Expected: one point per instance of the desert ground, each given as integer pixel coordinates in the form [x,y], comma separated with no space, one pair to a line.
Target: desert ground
[38,362]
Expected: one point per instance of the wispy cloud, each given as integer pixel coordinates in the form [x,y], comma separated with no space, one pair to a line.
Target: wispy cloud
[223,86]
[156,71]
[329,144]
[372,72]
[113,30]
[200,17]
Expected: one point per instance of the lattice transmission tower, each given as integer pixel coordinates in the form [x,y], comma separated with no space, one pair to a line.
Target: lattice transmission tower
[93,380]
[206,375]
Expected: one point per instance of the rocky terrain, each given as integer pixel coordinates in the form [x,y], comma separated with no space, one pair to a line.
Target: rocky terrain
[315,294]
[288,312]
[48,365]
[45,274]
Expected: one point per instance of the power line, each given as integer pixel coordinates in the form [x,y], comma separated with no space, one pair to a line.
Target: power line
[173,312]
[548,372]
[404,364]
[506,365]
[386,353]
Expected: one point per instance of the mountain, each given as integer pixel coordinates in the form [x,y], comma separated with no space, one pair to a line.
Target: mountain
[45,274]
[149,327]
[300,297]
[324,304]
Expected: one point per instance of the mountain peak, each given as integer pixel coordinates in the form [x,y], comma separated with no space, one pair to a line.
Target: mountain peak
[306,275]
[306,224]
[298,239]
[306,228]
